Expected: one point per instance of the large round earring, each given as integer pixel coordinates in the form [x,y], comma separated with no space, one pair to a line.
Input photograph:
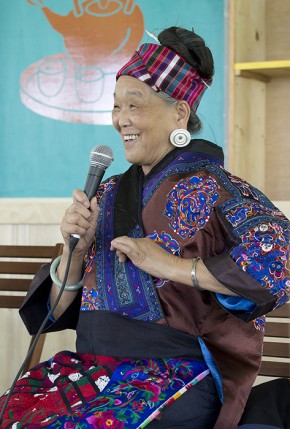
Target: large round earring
[180,137]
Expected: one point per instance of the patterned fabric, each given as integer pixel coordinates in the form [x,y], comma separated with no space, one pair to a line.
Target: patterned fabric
[190,203]
[163,70]
[264,254]
[263,235]
[169,244]
[55,387]
[224,240]
[189,206]
[85,391]
[258,231]
[135,395]
[134,292]
[186,163]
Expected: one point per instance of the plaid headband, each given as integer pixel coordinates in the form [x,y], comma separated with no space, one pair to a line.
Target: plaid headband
[163,70]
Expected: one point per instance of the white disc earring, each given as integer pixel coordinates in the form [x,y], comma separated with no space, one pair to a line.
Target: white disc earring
[180,137]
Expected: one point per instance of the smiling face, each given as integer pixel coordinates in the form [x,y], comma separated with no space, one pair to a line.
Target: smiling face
[144,122]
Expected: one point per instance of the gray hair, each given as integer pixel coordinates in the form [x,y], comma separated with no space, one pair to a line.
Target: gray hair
[194,124]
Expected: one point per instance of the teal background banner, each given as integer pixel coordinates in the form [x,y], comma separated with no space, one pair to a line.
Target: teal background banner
[58,62]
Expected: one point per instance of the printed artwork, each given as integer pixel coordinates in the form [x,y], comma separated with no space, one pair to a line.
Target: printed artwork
[73,85]
[59,61]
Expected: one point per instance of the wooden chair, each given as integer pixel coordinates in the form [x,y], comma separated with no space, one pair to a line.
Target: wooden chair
[276,354]
[18,264]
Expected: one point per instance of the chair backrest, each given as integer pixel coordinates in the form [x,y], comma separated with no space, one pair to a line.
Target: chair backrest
[18,265]
[276,353]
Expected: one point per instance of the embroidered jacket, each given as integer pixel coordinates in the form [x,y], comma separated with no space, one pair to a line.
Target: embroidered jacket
[190,205]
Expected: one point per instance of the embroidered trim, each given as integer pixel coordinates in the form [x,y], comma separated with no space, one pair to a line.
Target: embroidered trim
[135,294]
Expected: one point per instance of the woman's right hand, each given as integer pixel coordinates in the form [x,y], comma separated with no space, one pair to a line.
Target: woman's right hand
[80,218]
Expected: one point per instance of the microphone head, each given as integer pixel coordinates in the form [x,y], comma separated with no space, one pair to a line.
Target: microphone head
[101,156]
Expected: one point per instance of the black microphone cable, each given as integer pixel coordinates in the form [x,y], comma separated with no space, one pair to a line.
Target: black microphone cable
[72,245]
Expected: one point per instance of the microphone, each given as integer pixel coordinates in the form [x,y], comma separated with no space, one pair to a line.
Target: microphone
[101,158]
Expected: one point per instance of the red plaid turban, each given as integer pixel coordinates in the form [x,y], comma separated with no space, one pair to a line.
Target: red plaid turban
[164,70]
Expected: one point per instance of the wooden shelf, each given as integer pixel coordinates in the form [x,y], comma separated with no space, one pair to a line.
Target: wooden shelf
[259,126]
[263,70]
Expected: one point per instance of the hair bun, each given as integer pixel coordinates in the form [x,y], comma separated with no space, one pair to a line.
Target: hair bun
[191,47]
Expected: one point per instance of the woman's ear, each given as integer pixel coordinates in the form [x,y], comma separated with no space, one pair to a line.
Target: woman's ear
[183,113]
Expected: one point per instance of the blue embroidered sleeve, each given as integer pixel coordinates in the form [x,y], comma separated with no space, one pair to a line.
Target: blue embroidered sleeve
[255,264]
[261,232]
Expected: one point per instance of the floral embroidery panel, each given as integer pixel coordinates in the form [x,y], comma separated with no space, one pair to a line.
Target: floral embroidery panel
[190,204]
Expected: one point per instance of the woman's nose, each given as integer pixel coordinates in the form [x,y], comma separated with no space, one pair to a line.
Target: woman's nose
[123,118]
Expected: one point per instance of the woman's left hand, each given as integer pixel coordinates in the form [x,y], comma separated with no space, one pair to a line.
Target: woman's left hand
[145,254]
[154,260]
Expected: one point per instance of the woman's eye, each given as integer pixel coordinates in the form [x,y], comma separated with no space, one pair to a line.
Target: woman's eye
[132,106]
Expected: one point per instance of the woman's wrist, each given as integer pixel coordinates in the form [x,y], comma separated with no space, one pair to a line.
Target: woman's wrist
[193,273]
[76,267]
[59,283]
[179,270]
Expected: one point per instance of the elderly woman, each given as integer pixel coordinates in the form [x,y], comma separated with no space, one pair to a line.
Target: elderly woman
[177,262]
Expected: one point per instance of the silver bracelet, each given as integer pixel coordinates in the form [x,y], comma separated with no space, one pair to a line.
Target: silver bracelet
[56,281]
[193,273]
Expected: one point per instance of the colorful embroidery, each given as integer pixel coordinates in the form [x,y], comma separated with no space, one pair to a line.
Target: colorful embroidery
[134,294]
[55,387]
[245,188]
[90,299]
[168,243]
[238,211]
[263,253]
[84,391]
[106,186]
[135,394]
[90,295]
[90,259]
[187,162]
[190,204]
[260,323]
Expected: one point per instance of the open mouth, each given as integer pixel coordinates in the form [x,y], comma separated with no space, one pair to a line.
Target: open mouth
[130,137]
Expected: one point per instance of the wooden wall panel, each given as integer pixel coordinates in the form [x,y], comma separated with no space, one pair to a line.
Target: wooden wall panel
[260,150]
[278,102]
[277,30]
[249,132]
[250,35]
[247,150]
[277,132]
